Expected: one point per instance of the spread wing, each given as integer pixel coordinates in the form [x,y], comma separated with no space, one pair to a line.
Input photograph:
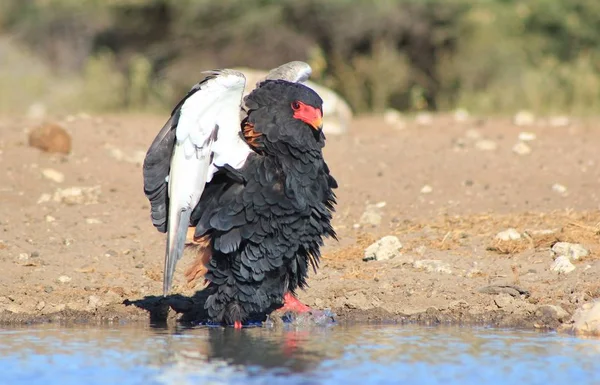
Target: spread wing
[201,135]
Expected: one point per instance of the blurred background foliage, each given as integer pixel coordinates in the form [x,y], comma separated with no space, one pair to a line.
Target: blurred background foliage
[489,56]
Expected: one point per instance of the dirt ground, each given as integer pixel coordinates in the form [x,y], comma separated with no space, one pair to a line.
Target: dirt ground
[98,258]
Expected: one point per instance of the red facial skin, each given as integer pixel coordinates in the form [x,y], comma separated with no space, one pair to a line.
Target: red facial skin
[308,114]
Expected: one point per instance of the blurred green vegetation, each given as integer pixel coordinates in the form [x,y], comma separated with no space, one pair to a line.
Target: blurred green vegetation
[489,56]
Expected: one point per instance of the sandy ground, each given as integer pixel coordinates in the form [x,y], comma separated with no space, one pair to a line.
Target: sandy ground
[99,258]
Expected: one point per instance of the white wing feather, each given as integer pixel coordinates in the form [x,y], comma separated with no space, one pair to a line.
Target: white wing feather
[207,136]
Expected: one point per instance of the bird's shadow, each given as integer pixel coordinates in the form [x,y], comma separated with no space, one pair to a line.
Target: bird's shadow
[190,309]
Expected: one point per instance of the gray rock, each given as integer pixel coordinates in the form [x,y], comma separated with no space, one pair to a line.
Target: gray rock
[553,312]
[562,265]
[386,248]
[111,253]
[573,251]
[433,266]
[512,290]
[586,319]
[503,300]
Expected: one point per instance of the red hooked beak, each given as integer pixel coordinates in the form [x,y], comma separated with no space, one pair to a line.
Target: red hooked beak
[308,114]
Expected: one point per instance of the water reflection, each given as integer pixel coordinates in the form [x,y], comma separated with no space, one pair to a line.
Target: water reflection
[138,354]
[256,348]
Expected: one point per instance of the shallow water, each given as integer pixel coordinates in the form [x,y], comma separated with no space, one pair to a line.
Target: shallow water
[136,354]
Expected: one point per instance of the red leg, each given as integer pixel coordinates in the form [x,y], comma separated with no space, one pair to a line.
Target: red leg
[237,324]
[291,303]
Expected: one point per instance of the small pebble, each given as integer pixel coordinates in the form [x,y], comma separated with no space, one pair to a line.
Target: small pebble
[427,189]
[92,221]
[562,265]
[521,148]
[508,235]
[64,279]
[53,175]
[50,218]
[23,256]
[559,188]
[524,118]
[48,289]
[111,253]
[44,198]
[394,118]
[139,266]
[486,145]
[461,115]
[526,136]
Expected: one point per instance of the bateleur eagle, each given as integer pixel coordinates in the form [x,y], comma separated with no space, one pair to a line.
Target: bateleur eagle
[249,179]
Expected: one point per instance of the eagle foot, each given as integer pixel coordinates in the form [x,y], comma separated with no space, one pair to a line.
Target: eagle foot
[291,303]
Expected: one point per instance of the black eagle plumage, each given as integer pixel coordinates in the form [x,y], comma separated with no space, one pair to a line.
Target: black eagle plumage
[265,221]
